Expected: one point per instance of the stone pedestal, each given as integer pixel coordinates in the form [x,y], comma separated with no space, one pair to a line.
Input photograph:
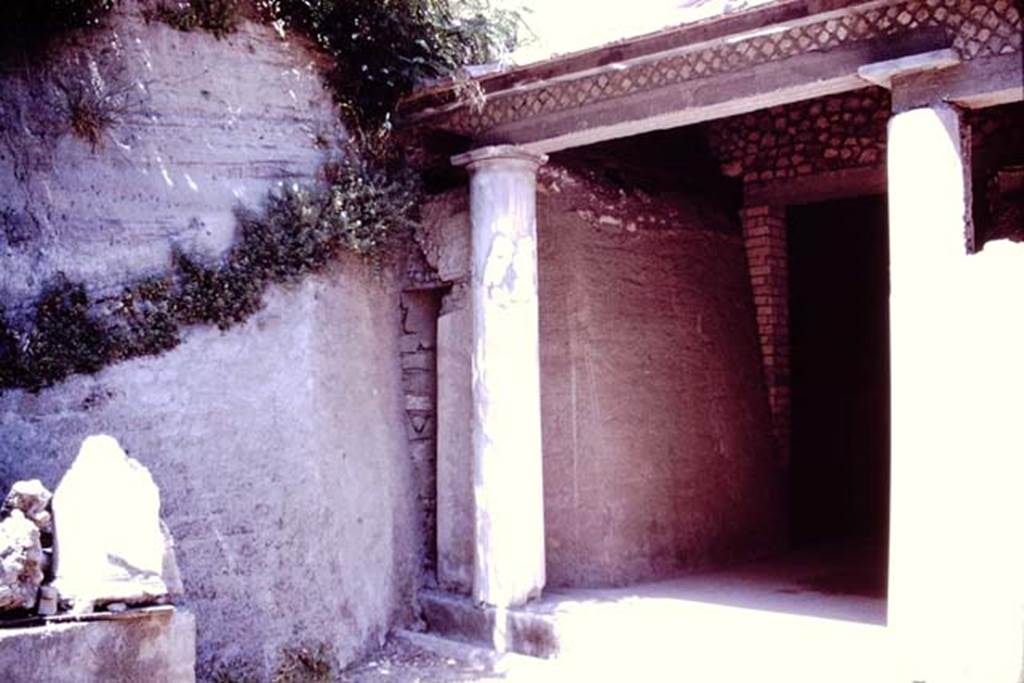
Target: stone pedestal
[957,326]
[150,644]
[507,467]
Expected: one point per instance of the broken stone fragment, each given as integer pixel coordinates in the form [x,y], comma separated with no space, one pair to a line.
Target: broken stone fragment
[171,575]
[33,499]
[109,542]
[21,559]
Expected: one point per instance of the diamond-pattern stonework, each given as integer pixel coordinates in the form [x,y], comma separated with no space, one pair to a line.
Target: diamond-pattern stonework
[977,29]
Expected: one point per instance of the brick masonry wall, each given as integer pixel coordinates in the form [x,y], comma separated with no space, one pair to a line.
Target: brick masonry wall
[838,133]
[764,236]
[807,140]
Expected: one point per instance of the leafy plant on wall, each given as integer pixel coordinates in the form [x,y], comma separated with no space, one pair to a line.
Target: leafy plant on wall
[382,48]
[364,202]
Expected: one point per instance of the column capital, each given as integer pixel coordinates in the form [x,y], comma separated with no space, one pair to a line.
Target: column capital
[499,156]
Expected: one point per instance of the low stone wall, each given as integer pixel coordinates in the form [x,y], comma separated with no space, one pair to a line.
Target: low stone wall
[152,644]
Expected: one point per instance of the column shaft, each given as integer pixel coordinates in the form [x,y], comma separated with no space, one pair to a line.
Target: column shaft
[954,582]
[507,479]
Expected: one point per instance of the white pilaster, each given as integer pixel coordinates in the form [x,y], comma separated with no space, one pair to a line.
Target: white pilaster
[507,467]
[956,563]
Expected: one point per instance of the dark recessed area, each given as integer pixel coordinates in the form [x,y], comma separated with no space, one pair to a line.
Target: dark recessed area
[839,316]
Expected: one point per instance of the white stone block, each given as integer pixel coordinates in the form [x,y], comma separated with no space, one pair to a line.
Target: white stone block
[110,544]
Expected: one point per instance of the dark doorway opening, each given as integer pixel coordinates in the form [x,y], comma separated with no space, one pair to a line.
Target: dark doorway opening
[839,317]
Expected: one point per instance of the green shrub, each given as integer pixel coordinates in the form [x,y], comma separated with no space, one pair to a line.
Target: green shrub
[65,338]
[382,48]
[363,204]
[219,17]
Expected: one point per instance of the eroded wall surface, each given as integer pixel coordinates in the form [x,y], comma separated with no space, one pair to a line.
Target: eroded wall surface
[123,144]
[278,445]
[281,460]
[657,449]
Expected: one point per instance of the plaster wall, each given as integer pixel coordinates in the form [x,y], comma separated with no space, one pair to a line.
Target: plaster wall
[657,445]
[658,455]
[278,445]
[280,454]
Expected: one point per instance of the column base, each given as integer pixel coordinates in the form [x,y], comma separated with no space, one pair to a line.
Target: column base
[521,630]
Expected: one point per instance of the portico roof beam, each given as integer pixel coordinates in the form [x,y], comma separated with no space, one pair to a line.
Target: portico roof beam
[805,76]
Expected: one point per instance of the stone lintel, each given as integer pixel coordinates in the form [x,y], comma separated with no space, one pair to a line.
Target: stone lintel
[883,73]
[759,86]
[441,100]
[817,187]
[719,68]
[499,155]
[984,82]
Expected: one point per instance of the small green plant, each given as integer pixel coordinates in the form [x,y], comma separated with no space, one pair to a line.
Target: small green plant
[65,338]
[219,17]
[89,110]
[313,663]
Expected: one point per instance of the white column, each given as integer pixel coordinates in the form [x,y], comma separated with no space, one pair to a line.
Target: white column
[507,466]
[957,326]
